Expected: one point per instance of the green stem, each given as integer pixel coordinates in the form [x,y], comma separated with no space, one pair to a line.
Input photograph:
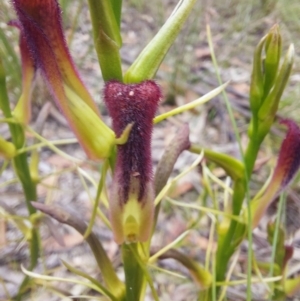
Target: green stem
[250,155]
[230,241]
[110,277]
[22,170]
[107,38]
[23,173]
[236,232]
[134,276]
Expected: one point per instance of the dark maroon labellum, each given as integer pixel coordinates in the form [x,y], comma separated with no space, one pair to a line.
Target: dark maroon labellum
[289,156]
[137,104]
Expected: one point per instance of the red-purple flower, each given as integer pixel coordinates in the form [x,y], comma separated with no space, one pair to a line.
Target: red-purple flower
[41,30]
[132,195]
[289,156]
[287,166]
[132,108]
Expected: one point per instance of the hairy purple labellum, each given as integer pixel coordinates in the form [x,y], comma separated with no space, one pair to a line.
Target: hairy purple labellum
[289,156]
[132,104]
[137,104]
[286,168]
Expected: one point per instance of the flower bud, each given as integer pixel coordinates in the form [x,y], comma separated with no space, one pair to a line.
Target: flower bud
[271,62]
[269,107]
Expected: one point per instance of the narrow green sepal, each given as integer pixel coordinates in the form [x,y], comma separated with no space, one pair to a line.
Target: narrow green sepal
[201,276]
[97,143]
[149,60]
[233,167]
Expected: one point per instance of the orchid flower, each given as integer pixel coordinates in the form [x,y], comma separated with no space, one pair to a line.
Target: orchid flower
[286,168]
[132,195]
[132,105]
[41,27]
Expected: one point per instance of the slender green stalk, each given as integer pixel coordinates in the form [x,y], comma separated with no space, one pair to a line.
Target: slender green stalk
[234,235]
[147,277]
[97,199]
[276,233]
[252,147]
[22,170]
[107,38]
[117,8]
[134,276]
[18,139]
[214,287]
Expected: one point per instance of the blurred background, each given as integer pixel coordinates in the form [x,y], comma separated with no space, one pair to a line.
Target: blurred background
[186,73]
